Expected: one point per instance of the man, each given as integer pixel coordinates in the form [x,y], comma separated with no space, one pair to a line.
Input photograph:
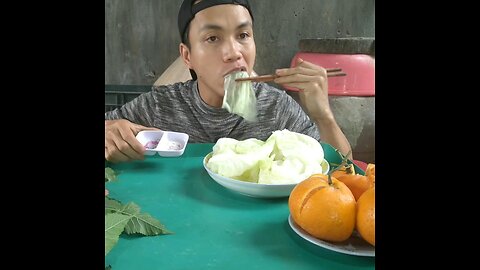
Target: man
[217,39]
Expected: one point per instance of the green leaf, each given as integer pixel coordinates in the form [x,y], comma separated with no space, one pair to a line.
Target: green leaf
[130,209]
[110,174]
[145,224]
[112,205]
[142,223]
[114,226]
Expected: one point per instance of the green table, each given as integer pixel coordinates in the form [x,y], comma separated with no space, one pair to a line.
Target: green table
[214,228]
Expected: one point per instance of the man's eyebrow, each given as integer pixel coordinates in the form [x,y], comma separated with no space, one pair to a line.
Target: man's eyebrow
[218,27]
[210,27]
[245,24]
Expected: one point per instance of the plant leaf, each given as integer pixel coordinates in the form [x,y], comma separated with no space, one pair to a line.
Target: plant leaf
[114,226]
[130,209]
[110,174]
[145,224]
[141,223]
[112,205]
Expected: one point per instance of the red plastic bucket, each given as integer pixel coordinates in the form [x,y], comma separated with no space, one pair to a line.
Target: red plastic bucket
[360,70]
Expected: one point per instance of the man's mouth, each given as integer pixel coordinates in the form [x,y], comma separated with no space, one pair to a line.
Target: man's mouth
[238,69]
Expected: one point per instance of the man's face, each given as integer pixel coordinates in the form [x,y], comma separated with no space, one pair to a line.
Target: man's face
[221,42]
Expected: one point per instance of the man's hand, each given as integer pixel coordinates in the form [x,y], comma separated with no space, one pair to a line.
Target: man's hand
[120,142]
[312,82]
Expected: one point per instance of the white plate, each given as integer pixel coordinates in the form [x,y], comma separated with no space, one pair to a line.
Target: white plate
[352,246]
[165,143]
[254,189]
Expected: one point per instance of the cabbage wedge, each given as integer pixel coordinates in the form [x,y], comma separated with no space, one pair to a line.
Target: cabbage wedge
[239,97]
[284,158]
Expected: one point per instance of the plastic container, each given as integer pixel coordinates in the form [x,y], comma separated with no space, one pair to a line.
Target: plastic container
[165,143]
[360,70]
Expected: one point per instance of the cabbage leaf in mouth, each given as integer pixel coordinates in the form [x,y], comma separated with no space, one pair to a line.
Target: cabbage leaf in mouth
[239,97]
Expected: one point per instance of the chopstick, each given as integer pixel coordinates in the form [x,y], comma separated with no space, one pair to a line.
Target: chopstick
[331,72]
[263,78]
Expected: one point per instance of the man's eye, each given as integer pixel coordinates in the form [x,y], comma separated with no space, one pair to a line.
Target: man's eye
[244,35]
[212,39]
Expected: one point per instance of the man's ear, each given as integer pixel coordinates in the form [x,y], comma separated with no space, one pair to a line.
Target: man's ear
[185,53]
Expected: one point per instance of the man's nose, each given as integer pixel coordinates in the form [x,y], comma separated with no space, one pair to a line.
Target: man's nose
[231,51]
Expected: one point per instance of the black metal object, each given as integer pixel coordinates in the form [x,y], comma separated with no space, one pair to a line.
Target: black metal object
[117,95]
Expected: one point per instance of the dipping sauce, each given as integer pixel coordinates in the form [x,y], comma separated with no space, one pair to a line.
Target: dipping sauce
[151,144]
[172,145]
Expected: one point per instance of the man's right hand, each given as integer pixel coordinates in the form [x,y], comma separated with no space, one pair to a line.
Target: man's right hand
[120,142]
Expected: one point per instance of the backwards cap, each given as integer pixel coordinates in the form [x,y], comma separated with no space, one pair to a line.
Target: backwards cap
[188,10]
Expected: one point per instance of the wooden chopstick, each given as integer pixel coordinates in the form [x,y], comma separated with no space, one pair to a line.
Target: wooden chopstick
[333,69]
[336,74]
[331,72]
[263,78]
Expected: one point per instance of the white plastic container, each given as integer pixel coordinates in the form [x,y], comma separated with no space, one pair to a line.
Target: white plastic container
[165,143]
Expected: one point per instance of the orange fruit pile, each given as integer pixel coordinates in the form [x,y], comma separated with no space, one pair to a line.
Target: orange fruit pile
[324,210]
[357,183]
[370,173]
[331,210]
[343,170]
[365,222]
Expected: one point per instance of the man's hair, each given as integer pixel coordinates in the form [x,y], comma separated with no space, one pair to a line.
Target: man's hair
[187,12]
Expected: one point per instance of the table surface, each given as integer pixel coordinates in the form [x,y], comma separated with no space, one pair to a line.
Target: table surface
[213,227]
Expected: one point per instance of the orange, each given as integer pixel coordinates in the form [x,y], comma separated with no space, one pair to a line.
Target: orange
[365,223]
[356,183]
[370,170]
[370,173]
[343,170]
[324,209]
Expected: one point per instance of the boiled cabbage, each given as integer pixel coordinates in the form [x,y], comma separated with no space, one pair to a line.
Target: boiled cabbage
[285,157]
[239,159]
[239,97]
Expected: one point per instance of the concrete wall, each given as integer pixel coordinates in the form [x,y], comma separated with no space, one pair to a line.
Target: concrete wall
[356,118]
[141,37]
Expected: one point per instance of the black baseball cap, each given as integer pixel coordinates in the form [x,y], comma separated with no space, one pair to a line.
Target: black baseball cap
[188,10]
